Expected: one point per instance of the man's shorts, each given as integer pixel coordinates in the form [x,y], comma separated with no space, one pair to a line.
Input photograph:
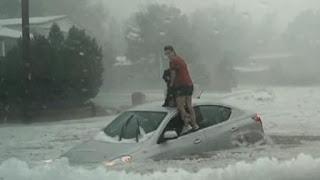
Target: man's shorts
[184,91]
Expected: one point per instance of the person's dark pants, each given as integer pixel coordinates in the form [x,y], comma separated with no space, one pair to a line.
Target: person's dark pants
[184,91]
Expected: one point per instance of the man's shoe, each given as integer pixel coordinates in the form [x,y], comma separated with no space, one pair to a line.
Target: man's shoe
[196,127]
[186,129]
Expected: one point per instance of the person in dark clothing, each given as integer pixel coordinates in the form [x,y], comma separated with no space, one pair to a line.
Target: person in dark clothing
[170,100]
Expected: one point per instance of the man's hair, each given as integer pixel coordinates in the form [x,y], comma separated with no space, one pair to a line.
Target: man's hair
[169,47]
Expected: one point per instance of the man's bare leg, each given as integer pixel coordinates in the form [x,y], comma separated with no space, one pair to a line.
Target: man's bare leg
[181,102]
[192,113]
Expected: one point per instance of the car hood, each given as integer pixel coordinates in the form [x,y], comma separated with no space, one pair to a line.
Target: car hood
[97,151]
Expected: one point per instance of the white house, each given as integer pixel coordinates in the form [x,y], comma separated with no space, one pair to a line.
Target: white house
[10,29]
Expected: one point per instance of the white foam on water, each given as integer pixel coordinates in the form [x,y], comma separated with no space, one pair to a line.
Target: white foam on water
[303,167]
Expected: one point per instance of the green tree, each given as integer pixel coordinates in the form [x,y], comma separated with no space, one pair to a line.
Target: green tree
[56,37]
[149,30]
[89,14]
[11,88]
[41,60]
[92,15]
[155,26]
[57,42]
[85,69]
[65,72]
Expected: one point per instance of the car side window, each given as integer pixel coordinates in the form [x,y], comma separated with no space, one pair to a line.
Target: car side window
[199,117]
[175,124]
[212,115]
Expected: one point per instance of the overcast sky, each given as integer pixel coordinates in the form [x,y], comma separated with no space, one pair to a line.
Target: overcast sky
[286,9]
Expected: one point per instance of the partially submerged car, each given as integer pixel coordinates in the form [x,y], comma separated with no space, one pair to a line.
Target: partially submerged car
[153,132]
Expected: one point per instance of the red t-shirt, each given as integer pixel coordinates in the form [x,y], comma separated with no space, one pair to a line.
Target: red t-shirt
[182,73]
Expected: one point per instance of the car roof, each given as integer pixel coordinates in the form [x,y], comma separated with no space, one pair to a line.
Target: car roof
[153,106]
[157,106]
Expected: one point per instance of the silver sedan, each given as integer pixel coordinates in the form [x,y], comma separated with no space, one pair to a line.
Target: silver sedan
[154,132]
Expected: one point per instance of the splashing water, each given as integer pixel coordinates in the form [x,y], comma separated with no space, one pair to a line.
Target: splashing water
[303,167]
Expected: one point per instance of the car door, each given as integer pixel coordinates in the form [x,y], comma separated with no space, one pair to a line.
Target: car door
[193,143]
[213,120]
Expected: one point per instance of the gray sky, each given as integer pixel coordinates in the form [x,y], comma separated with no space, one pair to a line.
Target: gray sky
[286,9]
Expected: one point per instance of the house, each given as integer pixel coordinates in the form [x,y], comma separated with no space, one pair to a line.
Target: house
[10,29]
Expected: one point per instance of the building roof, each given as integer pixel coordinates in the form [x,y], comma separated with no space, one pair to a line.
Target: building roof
[251,69]
[272,56]
[33,20]
[6,32]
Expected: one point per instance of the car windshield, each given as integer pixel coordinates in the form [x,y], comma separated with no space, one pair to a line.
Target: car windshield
[134,126]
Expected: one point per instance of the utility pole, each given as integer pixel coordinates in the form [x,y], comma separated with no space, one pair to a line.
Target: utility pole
[26,58]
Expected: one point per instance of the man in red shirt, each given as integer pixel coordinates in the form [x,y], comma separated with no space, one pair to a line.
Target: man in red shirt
[183,87]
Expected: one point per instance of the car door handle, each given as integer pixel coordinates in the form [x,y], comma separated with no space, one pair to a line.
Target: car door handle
[197,141]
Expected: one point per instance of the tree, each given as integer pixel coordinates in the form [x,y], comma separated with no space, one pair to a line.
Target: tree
[155,26]
[302,38]
[89,14]
[11,88]
[84,64]
[265,30]
[66,72]
[149,30]
[56,37]
[302,35]
[219,32]
[94,17]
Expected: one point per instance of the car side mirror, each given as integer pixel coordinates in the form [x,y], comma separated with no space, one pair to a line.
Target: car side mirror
[168,135]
